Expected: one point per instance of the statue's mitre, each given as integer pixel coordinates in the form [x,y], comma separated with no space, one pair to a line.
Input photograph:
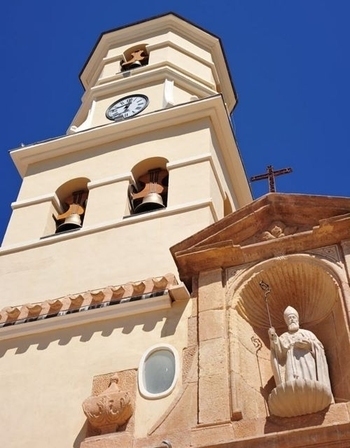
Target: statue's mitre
[290,310]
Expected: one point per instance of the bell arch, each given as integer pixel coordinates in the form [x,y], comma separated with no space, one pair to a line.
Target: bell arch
[72,199]
[134,57]
[316,288]
[149,192]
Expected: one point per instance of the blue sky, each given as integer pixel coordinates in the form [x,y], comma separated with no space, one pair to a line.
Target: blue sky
[289,61]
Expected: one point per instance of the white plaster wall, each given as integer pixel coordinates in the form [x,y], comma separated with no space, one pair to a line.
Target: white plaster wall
[78,262]
[46,377]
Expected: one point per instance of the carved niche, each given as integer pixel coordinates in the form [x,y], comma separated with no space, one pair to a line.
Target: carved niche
[310,284]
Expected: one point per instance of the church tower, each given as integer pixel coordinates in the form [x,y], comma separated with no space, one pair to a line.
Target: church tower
[91,287]
[149,159]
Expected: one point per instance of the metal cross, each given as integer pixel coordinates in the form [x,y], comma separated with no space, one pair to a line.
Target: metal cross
[270,175]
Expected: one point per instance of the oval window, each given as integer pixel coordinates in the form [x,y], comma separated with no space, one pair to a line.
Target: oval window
[158,371]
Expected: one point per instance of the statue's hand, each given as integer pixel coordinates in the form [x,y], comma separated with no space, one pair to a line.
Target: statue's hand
[272,334]
[304,344]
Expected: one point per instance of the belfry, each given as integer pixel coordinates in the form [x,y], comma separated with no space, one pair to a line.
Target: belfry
[133,314]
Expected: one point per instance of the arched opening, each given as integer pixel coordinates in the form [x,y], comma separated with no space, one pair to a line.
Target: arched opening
[134,57]
[150,190]
[72,196]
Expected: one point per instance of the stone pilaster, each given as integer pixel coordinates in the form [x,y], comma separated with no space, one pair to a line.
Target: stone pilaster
[214,401]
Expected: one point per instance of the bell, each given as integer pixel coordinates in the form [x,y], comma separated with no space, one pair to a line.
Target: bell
[130,65]
[153,201]
[135,64]
[73,221]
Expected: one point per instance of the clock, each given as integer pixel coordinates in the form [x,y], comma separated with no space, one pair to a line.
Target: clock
[127,107]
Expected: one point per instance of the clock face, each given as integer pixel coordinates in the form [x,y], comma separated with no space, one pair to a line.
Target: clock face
[127,107]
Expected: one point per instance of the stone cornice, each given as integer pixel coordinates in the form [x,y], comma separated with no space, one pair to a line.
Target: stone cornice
[132,298]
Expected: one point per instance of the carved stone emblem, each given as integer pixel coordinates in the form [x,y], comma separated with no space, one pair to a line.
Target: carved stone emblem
[277,230]
[110,410]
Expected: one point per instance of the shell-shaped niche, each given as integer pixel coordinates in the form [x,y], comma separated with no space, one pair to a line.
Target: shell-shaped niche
[110,410]
[299,397]
[300,281]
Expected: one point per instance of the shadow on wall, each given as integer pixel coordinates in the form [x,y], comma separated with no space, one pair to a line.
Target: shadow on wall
[127,325]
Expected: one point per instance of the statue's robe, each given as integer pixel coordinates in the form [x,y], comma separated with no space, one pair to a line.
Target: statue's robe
[296,362]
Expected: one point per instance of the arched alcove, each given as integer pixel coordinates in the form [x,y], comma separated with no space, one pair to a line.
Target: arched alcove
[309,283]
[150,190]
[134,57]
[302,281]
[72,197]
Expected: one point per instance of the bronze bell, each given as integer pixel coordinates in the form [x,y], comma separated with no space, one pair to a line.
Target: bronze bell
[154,190]
[135,64]
[72,222]
[135,60]
[153,201]
[72,217]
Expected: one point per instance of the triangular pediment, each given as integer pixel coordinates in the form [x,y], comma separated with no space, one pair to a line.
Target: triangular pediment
[273,225]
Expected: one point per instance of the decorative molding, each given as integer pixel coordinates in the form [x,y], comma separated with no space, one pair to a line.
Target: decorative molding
[329,252]
[277,229]
[110,180]
[168,99]
[37,200]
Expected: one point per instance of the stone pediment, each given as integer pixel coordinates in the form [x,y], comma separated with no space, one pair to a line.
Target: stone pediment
[276,224]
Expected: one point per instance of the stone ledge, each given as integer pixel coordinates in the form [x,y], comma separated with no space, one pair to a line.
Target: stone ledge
[322,429]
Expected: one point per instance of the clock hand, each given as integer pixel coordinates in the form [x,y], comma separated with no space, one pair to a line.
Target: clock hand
[126,107]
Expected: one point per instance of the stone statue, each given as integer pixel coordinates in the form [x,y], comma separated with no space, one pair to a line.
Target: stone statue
[299,365]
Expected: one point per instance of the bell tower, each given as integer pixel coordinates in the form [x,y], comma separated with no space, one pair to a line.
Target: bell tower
[97,331]
[149,159]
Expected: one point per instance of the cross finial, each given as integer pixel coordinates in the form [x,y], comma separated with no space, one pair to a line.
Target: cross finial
[270,175]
